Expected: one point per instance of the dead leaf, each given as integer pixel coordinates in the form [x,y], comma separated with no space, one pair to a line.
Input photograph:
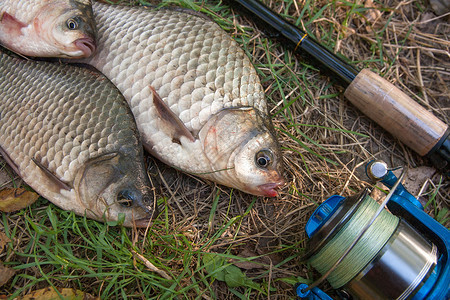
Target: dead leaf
[247,265]
[5,274]
[416,178]
[12,199]
[440,7]
[372,15]
[257,263]
[3,241]
[50,294]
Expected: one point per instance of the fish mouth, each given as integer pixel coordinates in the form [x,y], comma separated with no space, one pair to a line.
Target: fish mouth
[86,45]
[269,189]
[143,223]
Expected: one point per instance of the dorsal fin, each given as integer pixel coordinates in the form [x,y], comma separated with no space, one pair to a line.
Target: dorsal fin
[168,116]
[52,176]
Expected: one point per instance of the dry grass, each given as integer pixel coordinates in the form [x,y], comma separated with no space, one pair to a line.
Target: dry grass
[401,40]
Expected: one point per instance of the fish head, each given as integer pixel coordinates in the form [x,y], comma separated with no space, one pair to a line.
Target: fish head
[258,166]
[112,187]
[243,150]
[69,28]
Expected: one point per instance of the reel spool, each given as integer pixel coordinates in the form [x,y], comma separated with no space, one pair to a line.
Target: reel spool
[365,252]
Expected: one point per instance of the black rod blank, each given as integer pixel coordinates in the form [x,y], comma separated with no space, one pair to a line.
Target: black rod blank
[301,41]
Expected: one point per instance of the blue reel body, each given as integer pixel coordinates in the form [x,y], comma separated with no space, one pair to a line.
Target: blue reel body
[406,207]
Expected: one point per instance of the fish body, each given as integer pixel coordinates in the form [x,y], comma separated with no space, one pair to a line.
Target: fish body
[68,132]
[42,28]
[196,97]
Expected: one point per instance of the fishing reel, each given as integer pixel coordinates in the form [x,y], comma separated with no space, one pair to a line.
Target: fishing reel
[367,252]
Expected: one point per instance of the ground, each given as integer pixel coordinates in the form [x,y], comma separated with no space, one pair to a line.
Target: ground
[254,244]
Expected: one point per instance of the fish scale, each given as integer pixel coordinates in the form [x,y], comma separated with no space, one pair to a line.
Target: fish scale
[178,71]
[172,47]
[67,119]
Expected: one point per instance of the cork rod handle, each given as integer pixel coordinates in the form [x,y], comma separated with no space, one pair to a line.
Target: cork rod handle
[400,115]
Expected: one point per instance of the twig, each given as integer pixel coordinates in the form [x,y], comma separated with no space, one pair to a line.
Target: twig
[150,266]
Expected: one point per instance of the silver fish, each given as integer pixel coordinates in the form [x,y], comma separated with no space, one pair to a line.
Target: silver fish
[62,28]
[68,132]
[196,97]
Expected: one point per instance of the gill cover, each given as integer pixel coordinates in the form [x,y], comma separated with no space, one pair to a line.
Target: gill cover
[104,187]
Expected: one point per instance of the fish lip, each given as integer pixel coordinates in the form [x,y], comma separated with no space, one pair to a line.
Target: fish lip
[87,45]
[143,223]
[269,189]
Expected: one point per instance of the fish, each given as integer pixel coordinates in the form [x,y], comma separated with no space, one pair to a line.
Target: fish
[197,99]
[70,135]
[42,28]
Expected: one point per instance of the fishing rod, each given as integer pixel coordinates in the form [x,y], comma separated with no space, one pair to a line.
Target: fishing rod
[377,98]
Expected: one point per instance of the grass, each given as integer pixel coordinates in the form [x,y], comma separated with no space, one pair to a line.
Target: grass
[210,242]
[62,249]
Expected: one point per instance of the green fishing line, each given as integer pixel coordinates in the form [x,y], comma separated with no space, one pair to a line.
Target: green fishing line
[363,252]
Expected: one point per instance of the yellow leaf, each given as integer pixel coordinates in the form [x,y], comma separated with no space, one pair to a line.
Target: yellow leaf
[49,294]
[15,199]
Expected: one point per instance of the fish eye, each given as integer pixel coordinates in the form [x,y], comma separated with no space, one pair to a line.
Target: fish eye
[264,158]
[72,24]
[125,198]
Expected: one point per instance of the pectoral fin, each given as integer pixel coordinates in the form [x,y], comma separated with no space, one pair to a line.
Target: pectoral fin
[11,24]
[170,118]
[52,176]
